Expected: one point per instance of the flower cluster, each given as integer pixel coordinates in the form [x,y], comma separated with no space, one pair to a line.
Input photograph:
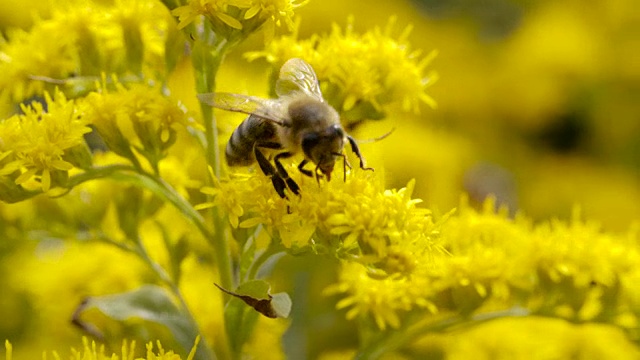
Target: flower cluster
[569,270]
[38,147]
[363,75]
[238,18]
[136,120]
[385,240]
[353,218]
[91,351]
[397,259]
[91,39]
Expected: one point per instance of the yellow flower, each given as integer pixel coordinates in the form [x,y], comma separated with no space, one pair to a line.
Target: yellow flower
[363,75]
[34,53]
[588,271]
[91,351]
[91,39]
[36,144]
[232,17]
[385,299]
[136,120]
[480,260]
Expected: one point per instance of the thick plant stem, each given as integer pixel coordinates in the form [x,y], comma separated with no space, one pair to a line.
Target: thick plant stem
[207,60]
[206,83]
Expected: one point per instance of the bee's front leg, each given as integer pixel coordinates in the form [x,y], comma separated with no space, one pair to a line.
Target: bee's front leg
[304,171]
[356,150]
[284,174]
[268,169]
[345,164]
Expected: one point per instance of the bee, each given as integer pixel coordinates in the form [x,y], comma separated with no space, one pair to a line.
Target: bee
[299,120]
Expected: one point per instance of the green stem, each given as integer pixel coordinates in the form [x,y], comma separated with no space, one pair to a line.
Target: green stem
[273,249]
[161,188]
[147,181]
[397,339]
[207,60]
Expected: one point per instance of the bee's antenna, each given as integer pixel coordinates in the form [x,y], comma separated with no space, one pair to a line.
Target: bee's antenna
[368,141]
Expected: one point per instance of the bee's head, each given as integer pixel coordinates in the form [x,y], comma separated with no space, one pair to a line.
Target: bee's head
[324,148]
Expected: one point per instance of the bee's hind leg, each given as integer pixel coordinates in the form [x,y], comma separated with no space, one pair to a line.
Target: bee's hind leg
[284,174]
[268,169]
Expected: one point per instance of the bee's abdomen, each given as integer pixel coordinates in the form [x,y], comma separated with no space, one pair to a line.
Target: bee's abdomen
[251,131]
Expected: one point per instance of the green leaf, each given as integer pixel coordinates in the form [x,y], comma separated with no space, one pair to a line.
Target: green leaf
[255,293]
[151,303]
[258,289]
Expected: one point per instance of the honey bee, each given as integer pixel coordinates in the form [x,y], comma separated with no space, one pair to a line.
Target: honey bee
[299,120]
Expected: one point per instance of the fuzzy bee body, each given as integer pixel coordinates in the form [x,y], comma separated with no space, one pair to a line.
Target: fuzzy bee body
[299,120]
[252,131]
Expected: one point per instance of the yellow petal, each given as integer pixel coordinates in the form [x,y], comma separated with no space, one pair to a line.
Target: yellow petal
[250,222]
[45,180]
[229,20]
[25,176]
[205,205]
[62,165]
[252,12]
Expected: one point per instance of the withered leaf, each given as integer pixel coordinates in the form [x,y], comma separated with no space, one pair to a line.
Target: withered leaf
[255,293]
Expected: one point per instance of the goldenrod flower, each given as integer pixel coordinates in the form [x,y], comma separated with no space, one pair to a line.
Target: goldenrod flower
[386,241]
[492,261]
[362,74]
[588,271]
[93,351]
[91,39]
[229,17]
[34,53]
[36,144]
[385,299]
[135,121]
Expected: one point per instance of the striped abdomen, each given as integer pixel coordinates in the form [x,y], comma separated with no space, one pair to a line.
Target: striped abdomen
[252,130]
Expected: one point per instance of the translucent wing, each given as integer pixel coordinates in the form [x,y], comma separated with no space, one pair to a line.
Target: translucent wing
[251,105]
[295,76]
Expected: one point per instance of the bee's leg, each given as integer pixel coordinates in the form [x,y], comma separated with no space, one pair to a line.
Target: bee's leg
[345,165]
[271,172]
[284,174]
[318,174]
[356,150]
[309,173]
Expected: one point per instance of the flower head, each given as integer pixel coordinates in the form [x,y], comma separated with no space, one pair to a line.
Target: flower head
[93,351]
[36,144]
[135,120]
[91,39]
[238,18]
[362,74]
[386,242]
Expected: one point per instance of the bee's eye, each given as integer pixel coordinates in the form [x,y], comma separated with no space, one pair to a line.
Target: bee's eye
[337,131]
[309,142]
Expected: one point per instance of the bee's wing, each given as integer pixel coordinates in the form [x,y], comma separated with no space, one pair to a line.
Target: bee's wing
[265,108]
[295,76]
